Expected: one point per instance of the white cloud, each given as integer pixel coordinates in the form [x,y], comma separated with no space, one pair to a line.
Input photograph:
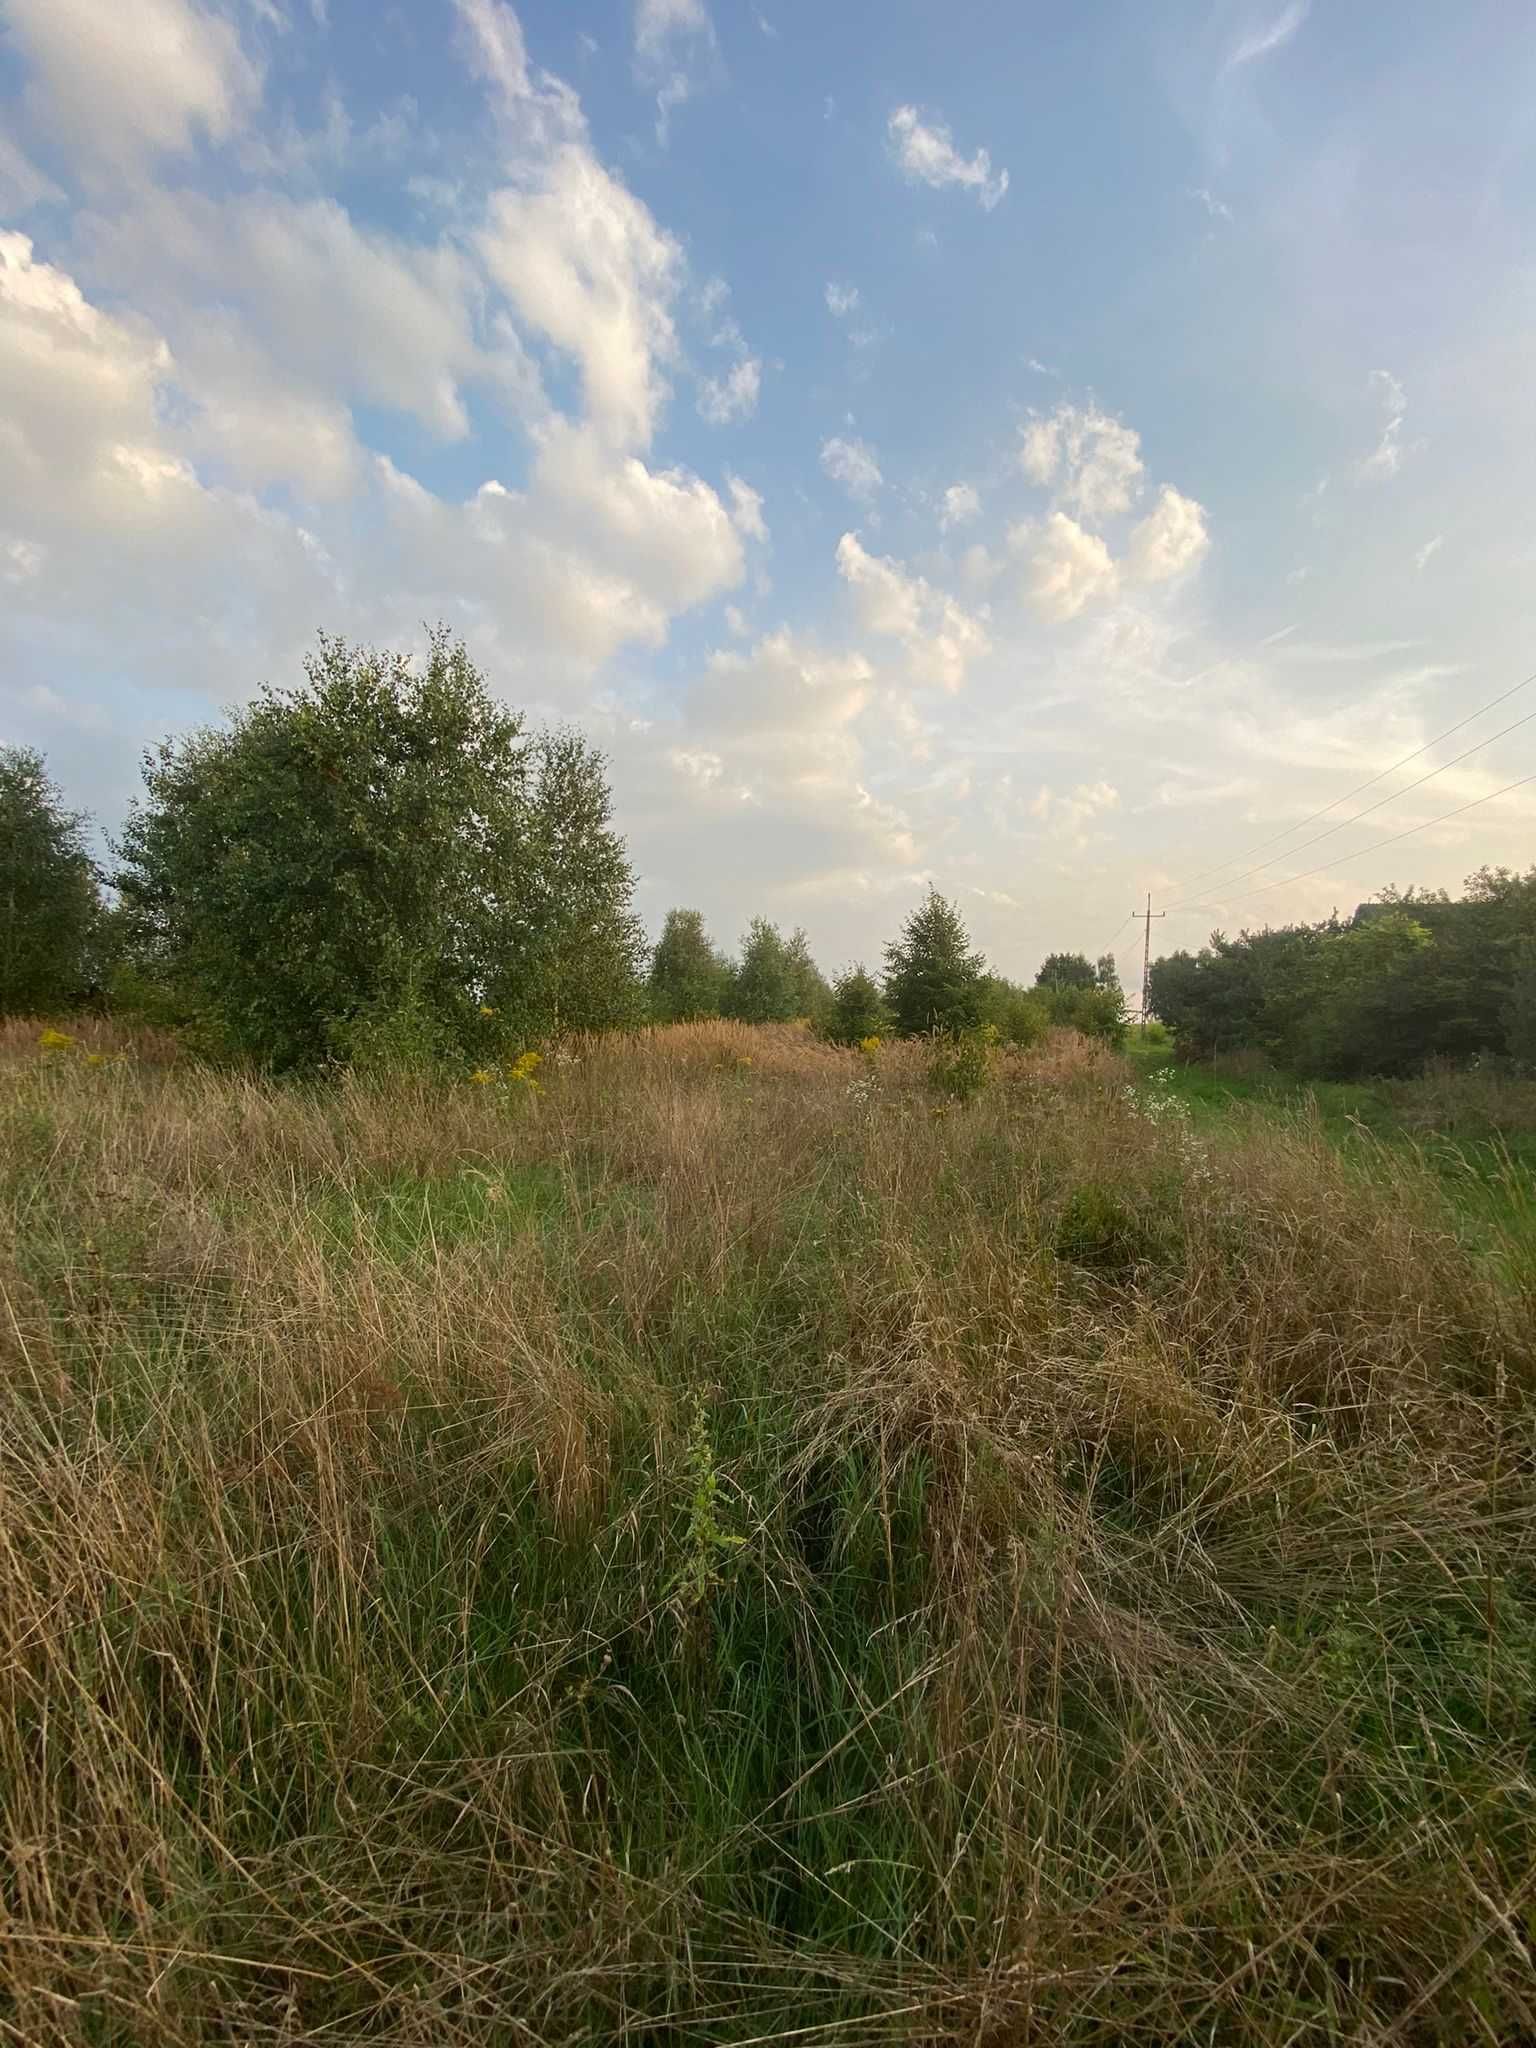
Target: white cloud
[1093,457]
[134,79]
[1071,814]
[1424,555]
[1267,37]
[1065,568]
[852,463]
[584,261]
[926,151]
[747,509]
[842,299]
[961,503]
[941,638]
[1386,458]
[669,35]
[736,621]
[1171,539]
[734,396]
[1216,208]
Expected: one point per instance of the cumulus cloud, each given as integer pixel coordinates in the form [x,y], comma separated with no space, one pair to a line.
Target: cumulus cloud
[137,79]
[961,503]
[584,261]
[941,638]
[926,153]
[1065,568]
[852,463]
[1171,539]
[1092,458]
[723,400]
[842,299]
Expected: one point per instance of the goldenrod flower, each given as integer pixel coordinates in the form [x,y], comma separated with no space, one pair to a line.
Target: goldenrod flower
[486,1010]
[55,1041]
[480,1077]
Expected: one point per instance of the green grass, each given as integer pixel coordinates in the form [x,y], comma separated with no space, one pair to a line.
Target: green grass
[715,1554]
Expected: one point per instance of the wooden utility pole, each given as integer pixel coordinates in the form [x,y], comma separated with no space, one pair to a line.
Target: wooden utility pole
[1146,952]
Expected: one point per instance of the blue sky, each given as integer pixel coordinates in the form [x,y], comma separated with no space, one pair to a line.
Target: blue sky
[1045,451]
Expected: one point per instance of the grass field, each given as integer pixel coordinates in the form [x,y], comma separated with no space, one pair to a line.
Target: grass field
[728,1546]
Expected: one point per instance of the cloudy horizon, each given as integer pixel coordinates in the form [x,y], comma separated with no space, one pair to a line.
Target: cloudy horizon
[1055,459]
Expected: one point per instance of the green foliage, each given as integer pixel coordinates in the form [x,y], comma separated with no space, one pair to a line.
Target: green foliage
[1106,974]
[960,1063]
[811,993]
[1019,1016]
[763,989]
[932,978]
[1408,979]
[576,951]
[708,1542]
[50,905]
[1095,1011]
[339,852]
[688,976]
[857,1010]
[1066,970]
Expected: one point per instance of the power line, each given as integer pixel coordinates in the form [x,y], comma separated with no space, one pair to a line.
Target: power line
[1380,804]
[1370,783]
[1360,853]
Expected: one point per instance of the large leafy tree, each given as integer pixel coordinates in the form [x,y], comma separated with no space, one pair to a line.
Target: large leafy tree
[932,977]
[340,866]
[763,989]
[688,977]
[50,904]
[575,950]
[1066,970]
[811,993]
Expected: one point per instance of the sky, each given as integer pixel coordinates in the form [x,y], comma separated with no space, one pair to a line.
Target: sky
[1046,452]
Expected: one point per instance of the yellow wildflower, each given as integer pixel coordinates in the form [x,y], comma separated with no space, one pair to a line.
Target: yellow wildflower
[486,1010]
[55,1041]
[479,1077]
[95,1059]
[870,1045]
[521,1069]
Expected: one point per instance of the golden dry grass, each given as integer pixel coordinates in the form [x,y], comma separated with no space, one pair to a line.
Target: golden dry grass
[729,1547]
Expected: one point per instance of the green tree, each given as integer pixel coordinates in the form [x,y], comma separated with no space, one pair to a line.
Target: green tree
[337,872]
[688,976]
[1106,973]
[576,950]
[50,904]
[1066,970]
[812,994]
[762,989]
[857,1009]
[1018,1015]
[932,978]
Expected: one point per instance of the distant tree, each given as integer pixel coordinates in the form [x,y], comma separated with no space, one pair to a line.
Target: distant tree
[932,978]
[1019,1016]
[337,872]
[1066,970]
[1096,1012]
[762,989]
[856,1010]
[688,976]
[812,994]
[576,951]
[1105,973]
[50,902]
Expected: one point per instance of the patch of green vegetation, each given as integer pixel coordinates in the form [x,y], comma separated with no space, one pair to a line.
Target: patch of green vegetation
[408,1217]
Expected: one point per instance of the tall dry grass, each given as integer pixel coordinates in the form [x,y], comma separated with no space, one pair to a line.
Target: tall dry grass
[733,1548]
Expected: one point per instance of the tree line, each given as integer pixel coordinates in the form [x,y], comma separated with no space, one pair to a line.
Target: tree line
[1414,976]
[382,866]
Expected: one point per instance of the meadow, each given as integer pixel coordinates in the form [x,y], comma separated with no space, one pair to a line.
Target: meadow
[710,1539]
